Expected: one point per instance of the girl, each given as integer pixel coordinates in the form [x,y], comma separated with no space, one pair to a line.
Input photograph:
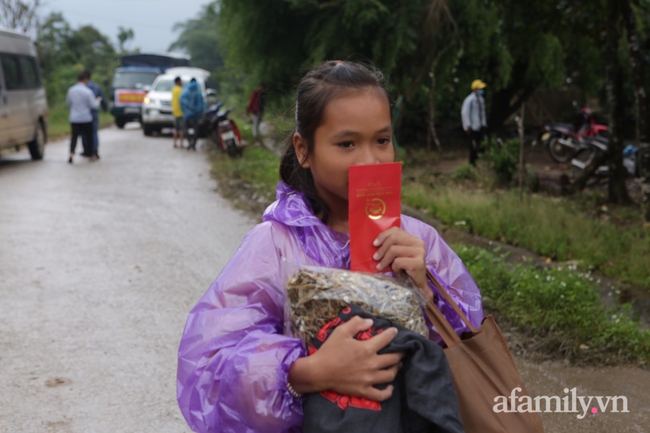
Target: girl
[237,372]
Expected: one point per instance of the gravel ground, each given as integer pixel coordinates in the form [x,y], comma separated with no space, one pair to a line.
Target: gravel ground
[100,263]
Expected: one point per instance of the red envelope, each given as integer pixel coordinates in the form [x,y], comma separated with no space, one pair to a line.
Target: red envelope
[374,205]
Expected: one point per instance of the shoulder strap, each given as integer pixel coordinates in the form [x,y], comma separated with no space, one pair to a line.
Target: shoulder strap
[443,327]
[450,300]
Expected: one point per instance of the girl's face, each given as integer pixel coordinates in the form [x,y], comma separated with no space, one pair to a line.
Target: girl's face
[356,130]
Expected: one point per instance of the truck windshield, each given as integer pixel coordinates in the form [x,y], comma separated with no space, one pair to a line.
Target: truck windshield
[133,79]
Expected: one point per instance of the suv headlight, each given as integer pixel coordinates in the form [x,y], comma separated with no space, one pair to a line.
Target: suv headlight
[148,100]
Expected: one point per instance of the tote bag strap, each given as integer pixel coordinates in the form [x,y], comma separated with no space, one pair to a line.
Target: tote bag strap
[443,327]
[436,317]
[450,300]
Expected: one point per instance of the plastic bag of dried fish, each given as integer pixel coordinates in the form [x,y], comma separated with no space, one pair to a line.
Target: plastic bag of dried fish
[317,295]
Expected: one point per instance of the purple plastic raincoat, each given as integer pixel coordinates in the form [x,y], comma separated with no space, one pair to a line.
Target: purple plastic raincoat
[234,359]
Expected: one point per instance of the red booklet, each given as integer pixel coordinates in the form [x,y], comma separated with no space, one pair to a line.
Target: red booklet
[374,205]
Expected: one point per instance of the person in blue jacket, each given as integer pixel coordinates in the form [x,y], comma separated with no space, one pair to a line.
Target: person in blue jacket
[104,105]
[193,106]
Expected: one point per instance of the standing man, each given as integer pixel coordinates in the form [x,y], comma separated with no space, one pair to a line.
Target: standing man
[179,124]
[81,101]
[256,108]
[97,91]
[193,106]
[474,119]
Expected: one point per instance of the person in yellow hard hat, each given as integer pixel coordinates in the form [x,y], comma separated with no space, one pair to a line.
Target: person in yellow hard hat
[474,119]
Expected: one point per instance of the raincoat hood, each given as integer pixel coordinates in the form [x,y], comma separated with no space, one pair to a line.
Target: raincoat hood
[192,103]
[192,87]
[320,242]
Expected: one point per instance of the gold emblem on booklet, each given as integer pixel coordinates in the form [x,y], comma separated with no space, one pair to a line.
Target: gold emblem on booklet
[375,208]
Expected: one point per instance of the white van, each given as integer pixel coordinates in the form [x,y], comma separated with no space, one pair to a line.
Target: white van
[157,106]
[23,104]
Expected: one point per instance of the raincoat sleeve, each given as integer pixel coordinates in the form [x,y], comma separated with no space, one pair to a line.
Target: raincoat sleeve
[233,360]
[452,274]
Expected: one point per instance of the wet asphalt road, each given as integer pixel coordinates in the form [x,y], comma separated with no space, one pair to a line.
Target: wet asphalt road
[99,265]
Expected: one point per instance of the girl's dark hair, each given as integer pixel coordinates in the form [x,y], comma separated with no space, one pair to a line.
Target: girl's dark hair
[315,91]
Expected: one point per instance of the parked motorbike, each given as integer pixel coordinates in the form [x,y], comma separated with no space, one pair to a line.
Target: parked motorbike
[224,131]
[193,130]
[596,146]
[565,140]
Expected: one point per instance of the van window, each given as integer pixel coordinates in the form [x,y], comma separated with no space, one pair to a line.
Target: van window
[31,79]
[11,70]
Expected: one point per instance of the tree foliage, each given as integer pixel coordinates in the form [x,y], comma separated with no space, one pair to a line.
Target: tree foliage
[200,37]
[517,47]
[124,35]
[64,52]
[20,14]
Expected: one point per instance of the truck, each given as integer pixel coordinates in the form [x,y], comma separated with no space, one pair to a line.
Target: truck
[133,79]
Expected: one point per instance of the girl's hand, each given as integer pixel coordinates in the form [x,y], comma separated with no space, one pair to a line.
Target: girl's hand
[403,252]
[349,366]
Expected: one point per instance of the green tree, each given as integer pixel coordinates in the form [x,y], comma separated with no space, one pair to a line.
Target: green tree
[264,41]
[510,44]
[64,52]
[516,47]
[124,35]
[20,14]
[200,38]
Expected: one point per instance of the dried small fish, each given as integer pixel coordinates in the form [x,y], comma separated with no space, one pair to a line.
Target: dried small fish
[316,298]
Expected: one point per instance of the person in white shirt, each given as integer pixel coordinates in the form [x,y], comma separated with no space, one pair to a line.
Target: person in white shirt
[81,100]
[474,119]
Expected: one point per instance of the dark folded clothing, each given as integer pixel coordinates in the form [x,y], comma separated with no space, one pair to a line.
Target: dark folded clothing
[424,398]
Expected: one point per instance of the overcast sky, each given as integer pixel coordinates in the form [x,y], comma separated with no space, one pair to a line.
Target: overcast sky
[151,20]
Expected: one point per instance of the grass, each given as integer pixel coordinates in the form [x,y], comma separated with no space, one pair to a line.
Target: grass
[561,305]
[465,172]
[59,125]
[258,168]
[552,227]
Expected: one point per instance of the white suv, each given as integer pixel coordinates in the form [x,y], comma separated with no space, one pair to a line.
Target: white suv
[157,106]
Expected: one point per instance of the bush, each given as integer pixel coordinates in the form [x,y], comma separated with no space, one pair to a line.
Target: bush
[465,172]
[502,158]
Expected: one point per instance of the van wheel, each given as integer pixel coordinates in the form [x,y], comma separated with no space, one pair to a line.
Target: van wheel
[120,122]
[147,129]
[37,146]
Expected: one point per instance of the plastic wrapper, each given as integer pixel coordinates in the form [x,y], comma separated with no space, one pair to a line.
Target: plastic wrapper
[317,295]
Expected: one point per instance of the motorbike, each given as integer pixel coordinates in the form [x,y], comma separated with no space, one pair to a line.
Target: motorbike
[596,146]
[565,140]
[224,131]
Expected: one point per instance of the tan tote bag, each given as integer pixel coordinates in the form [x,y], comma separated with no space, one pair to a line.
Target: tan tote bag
[484,374]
